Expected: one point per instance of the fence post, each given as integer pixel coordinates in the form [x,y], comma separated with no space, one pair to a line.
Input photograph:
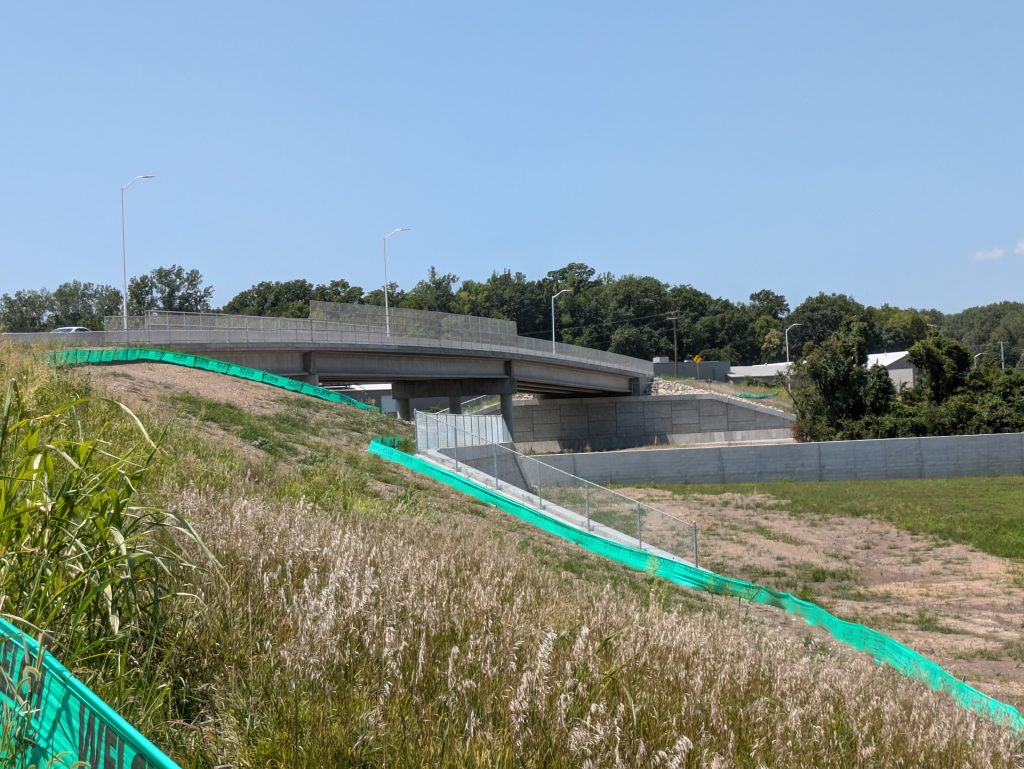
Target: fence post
[639,527]
[696,563]
[455,433]
[586,505]
[540,487]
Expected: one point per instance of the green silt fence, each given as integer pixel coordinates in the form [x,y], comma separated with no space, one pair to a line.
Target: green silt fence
[59,722]
[880,646]
[82,357]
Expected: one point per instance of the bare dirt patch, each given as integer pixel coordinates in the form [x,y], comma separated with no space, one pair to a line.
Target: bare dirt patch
[962,608]
[149,387]
[148,384]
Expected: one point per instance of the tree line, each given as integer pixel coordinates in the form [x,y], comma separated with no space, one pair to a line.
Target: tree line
[631,314]
[837,397]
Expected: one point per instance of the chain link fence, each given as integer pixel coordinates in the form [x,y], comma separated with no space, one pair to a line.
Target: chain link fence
[466,444]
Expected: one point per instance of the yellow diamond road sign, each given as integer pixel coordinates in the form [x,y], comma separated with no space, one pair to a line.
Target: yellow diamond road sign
[697,359]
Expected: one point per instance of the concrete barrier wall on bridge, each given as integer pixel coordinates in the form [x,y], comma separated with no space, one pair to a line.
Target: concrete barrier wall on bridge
[603,424]
[941,457]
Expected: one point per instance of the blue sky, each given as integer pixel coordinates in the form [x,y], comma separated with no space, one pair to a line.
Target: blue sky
[873,149]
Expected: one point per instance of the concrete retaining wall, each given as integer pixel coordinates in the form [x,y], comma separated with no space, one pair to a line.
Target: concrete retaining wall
[944,457]
[491,460]
[707,370]
[602,424]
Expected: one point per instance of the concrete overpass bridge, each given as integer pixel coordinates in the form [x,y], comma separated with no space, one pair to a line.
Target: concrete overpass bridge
[422,354]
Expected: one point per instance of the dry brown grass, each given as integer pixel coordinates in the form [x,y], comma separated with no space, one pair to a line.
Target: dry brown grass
[416,641]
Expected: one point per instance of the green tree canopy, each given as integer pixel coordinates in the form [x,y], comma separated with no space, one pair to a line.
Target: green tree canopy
[84,304]
[821,316]
[290,298]
[27,310]
[172,289]
[435,293]
[943,363]
[766,302]
[830,395]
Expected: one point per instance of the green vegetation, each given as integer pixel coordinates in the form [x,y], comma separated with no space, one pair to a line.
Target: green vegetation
[838,398]
[982,512]
[928,622]
[83,567]
[358,616]
[632,314]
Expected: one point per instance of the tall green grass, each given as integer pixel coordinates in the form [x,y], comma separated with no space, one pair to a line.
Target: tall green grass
[83,567]
[81,563]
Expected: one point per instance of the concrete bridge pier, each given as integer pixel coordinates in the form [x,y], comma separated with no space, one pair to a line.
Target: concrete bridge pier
[309,367]
[506,412]
[455,390]
[404,409]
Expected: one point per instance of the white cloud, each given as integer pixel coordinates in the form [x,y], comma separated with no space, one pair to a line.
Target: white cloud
[993,254]
[1019,250]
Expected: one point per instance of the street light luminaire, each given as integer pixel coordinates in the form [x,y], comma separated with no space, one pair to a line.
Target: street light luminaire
[124,261]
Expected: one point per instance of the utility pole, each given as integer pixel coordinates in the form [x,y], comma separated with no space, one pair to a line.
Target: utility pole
[674,317]
[1002,356]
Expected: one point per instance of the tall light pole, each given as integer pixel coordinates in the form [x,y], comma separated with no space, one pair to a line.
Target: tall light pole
[387,316]
[787,338]
[553,298]
[124,261]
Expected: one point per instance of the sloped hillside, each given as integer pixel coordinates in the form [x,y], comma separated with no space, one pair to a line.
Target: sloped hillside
[360,616]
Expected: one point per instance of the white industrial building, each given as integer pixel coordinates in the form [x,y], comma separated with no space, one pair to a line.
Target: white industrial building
[901,370]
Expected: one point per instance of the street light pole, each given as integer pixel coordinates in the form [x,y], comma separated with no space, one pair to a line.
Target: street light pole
[124,261]
[387,316]
[553,298]
[787,338]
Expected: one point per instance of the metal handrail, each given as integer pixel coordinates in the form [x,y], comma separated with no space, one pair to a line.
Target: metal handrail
[477,441]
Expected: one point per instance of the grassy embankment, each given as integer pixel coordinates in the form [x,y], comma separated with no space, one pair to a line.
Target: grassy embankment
[360,616]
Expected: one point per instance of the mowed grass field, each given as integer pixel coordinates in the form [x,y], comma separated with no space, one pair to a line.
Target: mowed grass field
[985,513]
